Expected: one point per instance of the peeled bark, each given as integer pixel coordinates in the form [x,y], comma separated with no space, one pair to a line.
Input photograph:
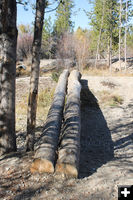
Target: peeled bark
[34,78]
[68,156]
[8,41]
[46,152]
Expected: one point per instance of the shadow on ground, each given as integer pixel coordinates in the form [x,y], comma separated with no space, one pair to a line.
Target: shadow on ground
[96,142]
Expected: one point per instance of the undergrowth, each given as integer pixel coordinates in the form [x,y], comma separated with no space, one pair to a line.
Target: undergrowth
[56,75]
[109,99]
[43,104]
[106,72]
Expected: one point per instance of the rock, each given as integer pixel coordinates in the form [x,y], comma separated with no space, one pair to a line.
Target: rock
[21,67]
[116,65]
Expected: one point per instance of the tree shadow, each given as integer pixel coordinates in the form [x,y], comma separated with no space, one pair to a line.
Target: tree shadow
[21,146]
[96,142]
[39,191]
[125,140]
[127,126]
[122,132]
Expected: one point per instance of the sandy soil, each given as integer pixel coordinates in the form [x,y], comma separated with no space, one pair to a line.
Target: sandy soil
[106,157]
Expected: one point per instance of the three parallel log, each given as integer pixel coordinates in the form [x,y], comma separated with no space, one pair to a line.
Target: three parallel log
[68,155]
[45,154]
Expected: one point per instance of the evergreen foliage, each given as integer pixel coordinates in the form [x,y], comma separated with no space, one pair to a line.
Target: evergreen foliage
[108,11]
[63,21]
[47,39]
[105,17]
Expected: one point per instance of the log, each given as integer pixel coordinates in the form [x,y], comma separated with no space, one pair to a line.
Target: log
[68,156]
[45,153]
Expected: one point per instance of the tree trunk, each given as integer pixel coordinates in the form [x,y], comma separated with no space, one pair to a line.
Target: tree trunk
[46,152]
[111,29]
[99,39]
[68,156]
[120,34]
[126,37]
[34,78]
[108,57]
[8,41]
[111,53]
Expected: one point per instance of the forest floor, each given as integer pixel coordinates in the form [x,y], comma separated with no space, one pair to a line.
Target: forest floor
[106,157]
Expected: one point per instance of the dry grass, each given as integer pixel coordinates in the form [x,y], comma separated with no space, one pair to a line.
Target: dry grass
[105,72]
[28,60]
[44,102]
[106,98]
[108,84]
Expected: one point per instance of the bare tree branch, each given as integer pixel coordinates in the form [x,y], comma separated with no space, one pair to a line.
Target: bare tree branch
[20,2]
[61,1]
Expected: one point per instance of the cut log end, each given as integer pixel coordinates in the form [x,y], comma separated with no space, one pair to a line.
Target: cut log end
[67,169]
[42,166]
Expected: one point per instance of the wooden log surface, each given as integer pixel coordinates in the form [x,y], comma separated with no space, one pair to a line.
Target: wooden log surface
[68,156]
[46,152]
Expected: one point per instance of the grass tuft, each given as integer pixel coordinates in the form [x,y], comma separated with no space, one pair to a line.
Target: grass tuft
[45,97]
[108,99]
[108,84]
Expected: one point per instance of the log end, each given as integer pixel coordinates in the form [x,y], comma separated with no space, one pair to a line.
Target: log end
[67,169]
[42,166]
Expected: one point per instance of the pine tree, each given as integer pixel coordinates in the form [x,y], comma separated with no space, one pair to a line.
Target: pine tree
[126,36]
[120,25]
[47,40]
[104,20]
[109,25]
[8,41]
[100,32]
[63,21]
[127,14]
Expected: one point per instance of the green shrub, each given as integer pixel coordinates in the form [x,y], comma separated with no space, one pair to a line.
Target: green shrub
[56,75]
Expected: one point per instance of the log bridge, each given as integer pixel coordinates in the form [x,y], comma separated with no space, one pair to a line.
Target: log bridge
[59,146]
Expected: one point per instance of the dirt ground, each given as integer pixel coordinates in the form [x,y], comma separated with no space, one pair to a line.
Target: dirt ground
[106,155]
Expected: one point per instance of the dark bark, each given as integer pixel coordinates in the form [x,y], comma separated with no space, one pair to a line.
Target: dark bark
[46,152]
[34,79]
[8,41]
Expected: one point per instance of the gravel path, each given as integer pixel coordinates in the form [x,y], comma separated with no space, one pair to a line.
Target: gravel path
[106,158]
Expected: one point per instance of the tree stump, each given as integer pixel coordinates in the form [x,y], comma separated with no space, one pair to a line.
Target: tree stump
[68,156]
[46,152]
